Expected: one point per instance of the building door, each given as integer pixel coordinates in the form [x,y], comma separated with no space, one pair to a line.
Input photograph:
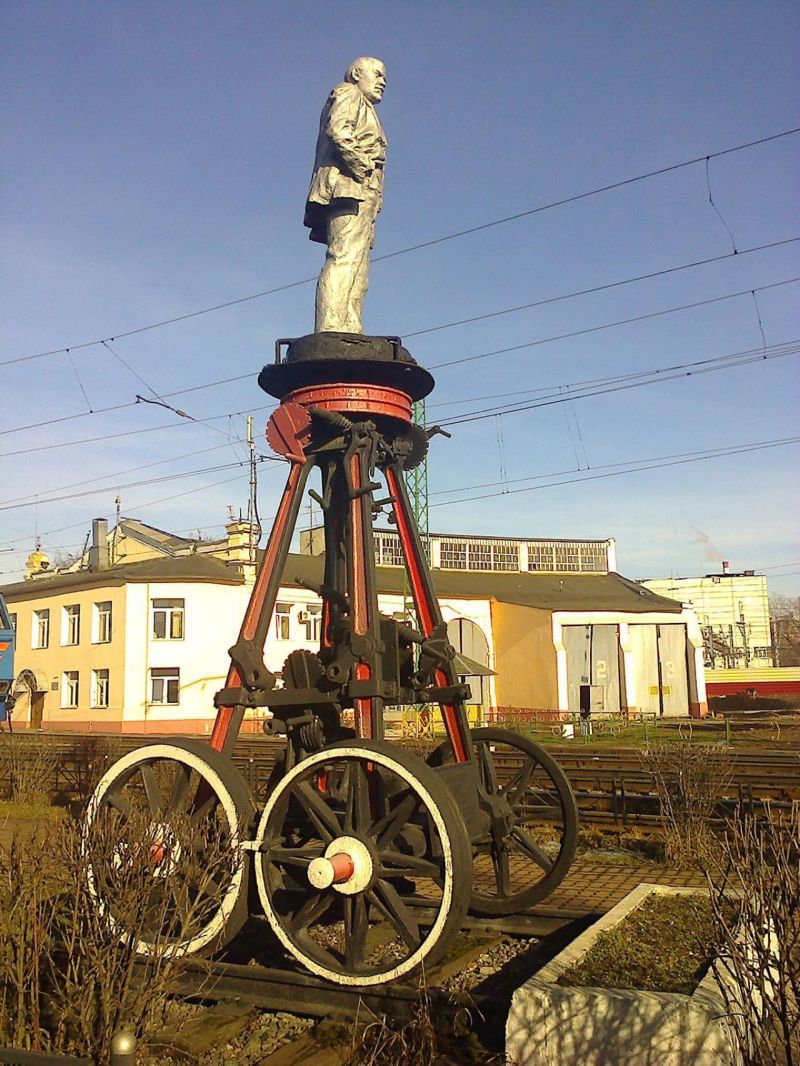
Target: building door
[578,646]
[643,646]
[593,660]
[673,666]
[605,667]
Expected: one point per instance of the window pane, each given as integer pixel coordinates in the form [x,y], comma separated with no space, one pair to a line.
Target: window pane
[160,625]
[176,625]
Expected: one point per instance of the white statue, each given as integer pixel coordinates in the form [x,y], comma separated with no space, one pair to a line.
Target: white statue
[346,194]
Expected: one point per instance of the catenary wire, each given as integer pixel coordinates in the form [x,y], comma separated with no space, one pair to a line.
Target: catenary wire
[600,288]
[435,366]
[120,473]
[139,507]
[132,432]
[606,325]
[655,377]
[41,500]
[423,244]
[699,457]
[628,463]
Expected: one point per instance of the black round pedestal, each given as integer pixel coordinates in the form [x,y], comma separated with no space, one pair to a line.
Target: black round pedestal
[344,358]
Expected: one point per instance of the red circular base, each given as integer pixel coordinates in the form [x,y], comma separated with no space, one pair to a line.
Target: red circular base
[369,400]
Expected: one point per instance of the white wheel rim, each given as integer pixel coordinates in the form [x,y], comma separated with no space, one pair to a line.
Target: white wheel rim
[430,941]
[216,925]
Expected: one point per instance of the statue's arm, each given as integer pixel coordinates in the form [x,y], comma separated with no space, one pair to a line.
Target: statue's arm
[341,127]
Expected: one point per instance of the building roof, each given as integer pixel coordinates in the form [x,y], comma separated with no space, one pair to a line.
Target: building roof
[553,592]
[203,568]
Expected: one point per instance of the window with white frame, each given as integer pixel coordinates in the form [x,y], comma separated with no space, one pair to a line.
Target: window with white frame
[71,624]
[40,632]
[101,622]
[283,616]
[70,688]
[165,684]
[311,620]
[168,619]
[100,688]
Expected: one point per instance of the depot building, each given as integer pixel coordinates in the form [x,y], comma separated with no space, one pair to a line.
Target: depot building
[133,635]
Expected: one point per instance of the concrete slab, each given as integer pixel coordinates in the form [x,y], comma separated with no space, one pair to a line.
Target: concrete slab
[551,1024]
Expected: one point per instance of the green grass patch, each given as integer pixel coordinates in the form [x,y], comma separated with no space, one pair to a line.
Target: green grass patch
[30,812]
[665,945]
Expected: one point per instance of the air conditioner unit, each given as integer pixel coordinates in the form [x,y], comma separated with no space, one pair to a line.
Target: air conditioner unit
[303,616]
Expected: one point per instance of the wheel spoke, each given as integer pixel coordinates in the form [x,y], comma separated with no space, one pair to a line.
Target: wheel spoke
[311,911]
[155,800]
[205,808]
[293,856]
[502,871]
[357,813]
[393,821]
[180,788]
[528,846]
[487,769]
[520,781]
[356,925]
[119,803]
[323,818]
[386,898]
[396,864]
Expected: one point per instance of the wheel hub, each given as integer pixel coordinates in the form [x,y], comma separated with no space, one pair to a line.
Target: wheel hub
[346,866]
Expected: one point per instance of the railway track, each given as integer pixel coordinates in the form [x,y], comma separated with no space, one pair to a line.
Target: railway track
[611,785]
[287,988]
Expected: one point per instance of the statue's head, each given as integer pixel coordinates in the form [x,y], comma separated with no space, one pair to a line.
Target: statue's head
[369,75]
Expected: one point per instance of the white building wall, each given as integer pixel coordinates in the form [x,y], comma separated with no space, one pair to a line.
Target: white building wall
[212,617]
[635,696]
[725,601]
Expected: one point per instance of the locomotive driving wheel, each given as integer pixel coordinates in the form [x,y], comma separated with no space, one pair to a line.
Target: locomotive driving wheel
[363,863]
[533,830]
[162,839]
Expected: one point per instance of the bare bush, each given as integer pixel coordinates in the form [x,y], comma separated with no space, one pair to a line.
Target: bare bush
[29,767]
[79,902]
[758,968]
[690,780]
[384,1043]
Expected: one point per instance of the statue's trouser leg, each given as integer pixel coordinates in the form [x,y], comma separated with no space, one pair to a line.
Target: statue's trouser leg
[360,284]
[349,238]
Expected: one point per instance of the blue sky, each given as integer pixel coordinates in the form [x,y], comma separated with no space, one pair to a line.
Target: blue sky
[157,160]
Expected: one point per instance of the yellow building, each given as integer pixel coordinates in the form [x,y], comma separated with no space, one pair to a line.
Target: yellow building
[133,637]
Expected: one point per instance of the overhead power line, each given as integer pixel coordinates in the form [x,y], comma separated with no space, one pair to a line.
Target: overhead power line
[451,362]
[601,288]
[665,461]
[607,325]
[132,432]
[628,381]
[139,507]
[528,212]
